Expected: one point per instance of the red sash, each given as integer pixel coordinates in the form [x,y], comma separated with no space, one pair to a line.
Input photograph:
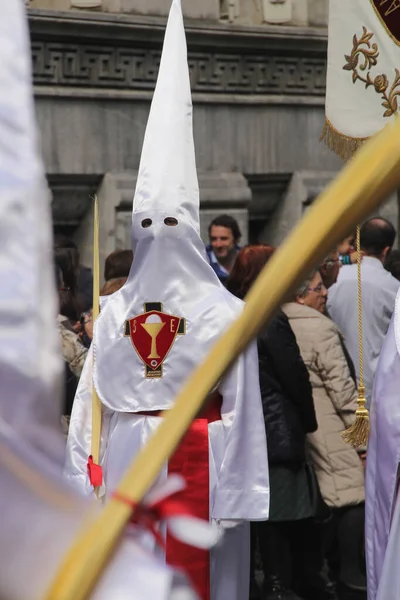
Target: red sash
[191,460]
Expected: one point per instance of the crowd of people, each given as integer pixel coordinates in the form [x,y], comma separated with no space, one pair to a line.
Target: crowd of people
[258,479]
[312,545]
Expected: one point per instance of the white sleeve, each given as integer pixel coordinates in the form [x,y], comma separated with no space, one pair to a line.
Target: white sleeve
[242,490]
[80,433]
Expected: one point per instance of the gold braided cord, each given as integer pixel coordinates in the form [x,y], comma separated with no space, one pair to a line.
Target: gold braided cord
[357,434]
[360,315]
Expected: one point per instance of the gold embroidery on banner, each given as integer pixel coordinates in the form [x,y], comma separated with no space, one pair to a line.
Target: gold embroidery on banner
[363,57]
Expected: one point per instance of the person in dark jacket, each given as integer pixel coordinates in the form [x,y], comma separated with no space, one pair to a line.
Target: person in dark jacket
[290,542]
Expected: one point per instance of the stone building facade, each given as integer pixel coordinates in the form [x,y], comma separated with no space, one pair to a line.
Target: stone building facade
[258,70]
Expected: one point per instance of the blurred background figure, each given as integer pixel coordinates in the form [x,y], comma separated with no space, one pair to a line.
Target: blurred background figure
[112,286]
[392,264]
[289,543]
[116,271]
[347,250]
[339,468]
[67,251]
[72,349]
[70,307]
[224,235]
[329,269]
[118,264]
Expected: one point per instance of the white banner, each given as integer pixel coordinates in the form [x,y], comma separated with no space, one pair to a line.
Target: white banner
[363,78]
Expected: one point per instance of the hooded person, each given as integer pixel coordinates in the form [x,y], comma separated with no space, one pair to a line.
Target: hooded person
[382,507]
[41,513]
[153,333]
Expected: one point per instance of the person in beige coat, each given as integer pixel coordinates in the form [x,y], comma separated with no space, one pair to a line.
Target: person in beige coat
[338,467]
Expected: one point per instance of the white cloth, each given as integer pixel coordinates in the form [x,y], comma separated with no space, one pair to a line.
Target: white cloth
[30,364]
[39,512]
[389,582]
[379,289]
[383,463]
[230,565]
[354,109]
[41,519]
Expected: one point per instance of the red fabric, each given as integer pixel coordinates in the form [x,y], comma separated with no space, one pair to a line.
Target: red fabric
[149,516]
[95,473]
[191,460]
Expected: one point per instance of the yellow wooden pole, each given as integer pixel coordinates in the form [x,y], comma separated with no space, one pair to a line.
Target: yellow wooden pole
[363,184]
[96,404]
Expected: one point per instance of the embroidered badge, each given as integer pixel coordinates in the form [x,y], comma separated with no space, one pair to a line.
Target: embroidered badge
[152,334]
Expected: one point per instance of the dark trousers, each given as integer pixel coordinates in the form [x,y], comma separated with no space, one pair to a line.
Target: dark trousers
[344,545]
[291,552]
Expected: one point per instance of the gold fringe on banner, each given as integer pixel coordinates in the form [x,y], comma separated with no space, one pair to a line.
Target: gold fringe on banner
[342,145]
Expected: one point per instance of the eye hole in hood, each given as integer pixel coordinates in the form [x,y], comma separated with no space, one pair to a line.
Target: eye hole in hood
[171,221]
[146,223]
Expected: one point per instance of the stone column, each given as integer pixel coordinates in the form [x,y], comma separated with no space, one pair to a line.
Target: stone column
[115,196]
[302,190]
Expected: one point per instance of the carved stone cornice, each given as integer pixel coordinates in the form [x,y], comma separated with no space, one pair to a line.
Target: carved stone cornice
[95,54]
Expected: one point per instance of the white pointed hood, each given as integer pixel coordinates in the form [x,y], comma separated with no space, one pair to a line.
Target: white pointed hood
[170,273]
[167,182]
[29,351]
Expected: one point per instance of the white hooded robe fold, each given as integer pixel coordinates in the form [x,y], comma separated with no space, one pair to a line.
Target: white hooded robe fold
[172,282]
[382,500]
[40,513]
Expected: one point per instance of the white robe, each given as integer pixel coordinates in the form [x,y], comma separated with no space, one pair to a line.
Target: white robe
[237,456]
[41,517]
[170,268]
[383,460]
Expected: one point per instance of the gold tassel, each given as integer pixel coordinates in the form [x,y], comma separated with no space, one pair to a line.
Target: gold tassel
[340,144]
[357,434]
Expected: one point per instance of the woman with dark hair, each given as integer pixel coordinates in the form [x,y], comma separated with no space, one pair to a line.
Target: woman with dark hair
[289,542]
